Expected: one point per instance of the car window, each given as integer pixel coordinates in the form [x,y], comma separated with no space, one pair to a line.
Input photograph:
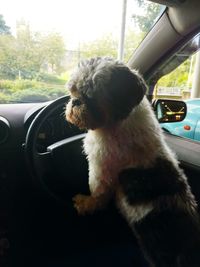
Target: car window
[41,42]
[180,79]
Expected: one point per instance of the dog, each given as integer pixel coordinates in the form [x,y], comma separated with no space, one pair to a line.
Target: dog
[130,162]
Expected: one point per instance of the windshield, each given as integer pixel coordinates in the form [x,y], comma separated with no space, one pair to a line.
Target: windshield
[42,41]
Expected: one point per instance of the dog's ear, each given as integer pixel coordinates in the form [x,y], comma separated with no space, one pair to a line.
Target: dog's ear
[127,89]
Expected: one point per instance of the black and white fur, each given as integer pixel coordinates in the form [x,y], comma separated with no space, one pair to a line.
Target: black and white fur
[130,162]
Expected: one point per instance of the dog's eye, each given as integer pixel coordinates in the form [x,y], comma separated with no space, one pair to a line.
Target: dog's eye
[76,102]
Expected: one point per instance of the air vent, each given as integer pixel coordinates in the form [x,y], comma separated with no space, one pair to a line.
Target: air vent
[4,129]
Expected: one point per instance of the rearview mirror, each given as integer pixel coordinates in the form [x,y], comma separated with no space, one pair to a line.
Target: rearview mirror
[169,110]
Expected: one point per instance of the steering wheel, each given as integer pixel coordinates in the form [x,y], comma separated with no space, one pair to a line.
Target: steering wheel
[62,170]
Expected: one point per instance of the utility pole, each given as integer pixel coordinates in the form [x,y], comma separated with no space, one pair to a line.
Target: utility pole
[122,32]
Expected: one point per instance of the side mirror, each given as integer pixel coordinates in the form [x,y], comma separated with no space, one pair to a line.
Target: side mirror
[168,110]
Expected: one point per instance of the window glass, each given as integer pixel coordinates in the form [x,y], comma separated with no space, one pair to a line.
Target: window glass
[42,41]
[181,80]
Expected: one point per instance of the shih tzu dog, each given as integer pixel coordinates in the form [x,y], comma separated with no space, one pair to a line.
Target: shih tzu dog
[130,162]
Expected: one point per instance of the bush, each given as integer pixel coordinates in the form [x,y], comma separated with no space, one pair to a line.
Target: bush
[12,86]
[50,78]
[4,98]
[31,90]
[38,95]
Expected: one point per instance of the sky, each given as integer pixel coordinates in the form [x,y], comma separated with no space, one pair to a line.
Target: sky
[77,20]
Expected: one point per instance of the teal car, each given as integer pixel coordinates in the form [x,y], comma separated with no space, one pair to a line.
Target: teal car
[190,126]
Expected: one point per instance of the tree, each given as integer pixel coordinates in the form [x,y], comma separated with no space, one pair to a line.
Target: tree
[29,54]
[107,45]
[132,40]
[37,52]
[4,29]
[178,77]
[104,46]
[150,13]
[54,51]
[8,58]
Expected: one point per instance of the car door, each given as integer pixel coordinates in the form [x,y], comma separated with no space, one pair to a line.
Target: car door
[197,131]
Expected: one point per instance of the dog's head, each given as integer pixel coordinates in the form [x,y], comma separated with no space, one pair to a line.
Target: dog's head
[103,91]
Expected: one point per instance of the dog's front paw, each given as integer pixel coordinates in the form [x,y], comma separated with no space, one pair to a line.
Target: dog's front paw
[84,204]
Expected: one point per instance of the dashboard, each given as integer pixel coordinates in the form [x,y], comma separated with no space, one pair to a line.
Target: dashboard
[15,120]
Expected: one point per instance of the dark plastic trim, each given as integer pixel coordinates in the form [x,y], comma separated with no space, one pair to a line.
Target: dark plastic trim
[187,150]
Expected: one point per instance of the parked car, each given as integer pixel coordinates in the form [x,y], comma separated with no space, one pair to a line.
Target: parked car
[190,126]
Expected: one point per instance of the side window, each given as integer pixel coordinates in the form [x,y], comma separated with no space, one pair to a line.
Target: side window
[180,79]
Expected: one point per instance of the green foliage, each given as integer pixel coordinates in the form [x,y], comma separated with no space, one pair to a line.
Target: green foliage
[29,95]
[65,76]
[132,41]
[104,46]
[15,85]
[53,48]
[4,98]
[8,52]
[107,45]
[4,29]
[50,78]
[178,77]
[29,53]
[38,95]
[150,13]
[31,90]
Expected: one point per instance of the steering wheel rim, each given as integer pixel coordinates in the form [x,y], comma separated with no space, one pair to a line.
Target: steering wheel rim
[37,161]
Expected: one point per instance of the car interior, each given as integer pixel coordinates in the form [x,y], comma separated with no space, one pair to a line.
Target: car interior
[42,167]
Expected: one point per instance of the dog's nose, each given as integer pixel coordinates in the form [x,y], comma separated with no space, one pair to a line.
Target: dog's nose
[76,102]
